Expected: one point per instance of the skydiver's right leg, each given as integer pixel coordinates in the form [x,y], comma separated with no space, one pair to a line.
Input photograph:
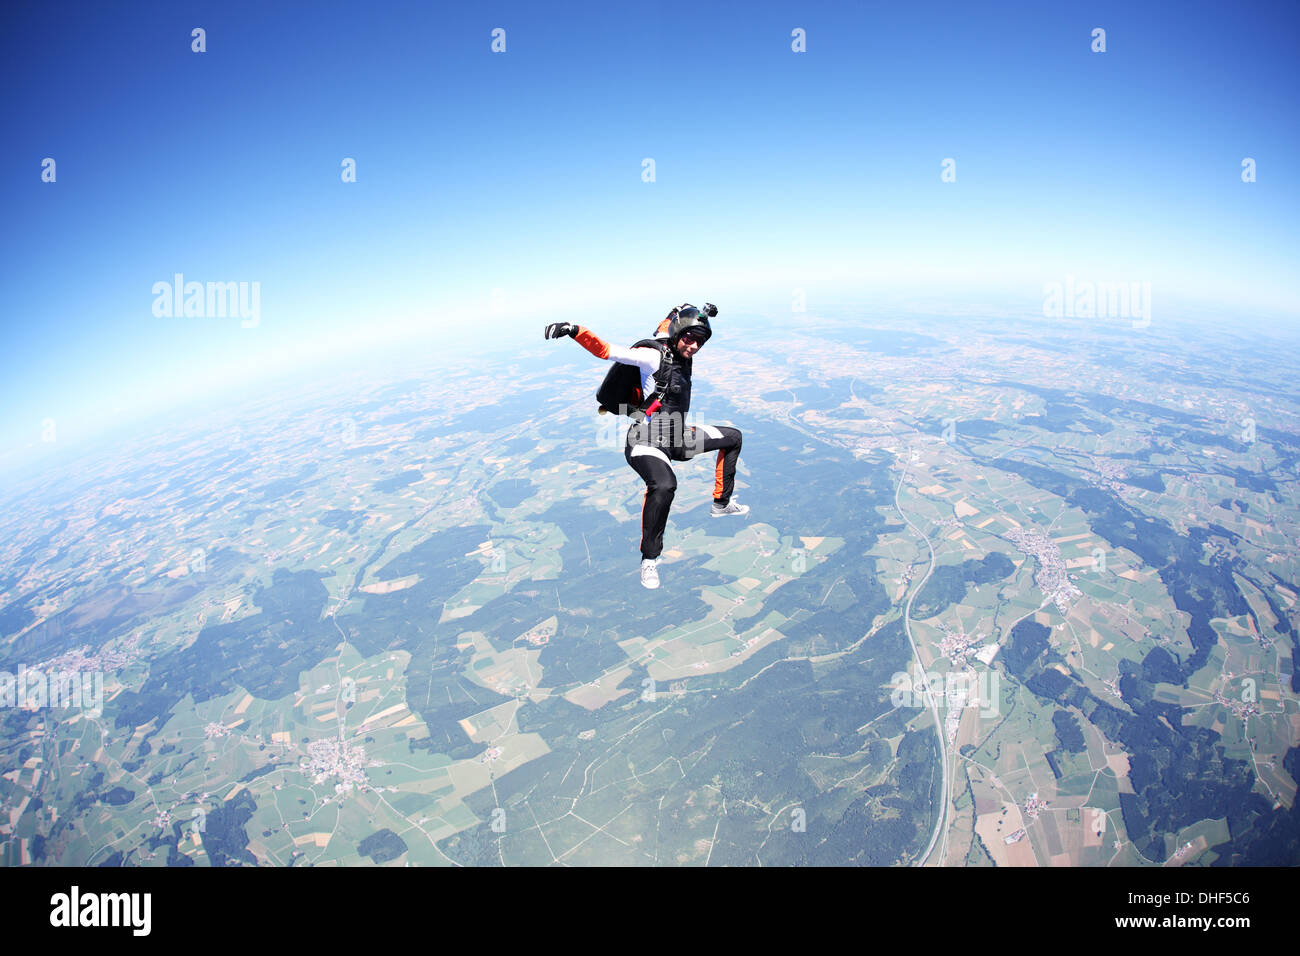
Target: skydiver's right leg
[661,485]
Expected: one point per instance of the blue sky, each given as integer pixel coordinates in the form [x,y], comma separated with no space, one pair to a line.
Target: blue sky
[522,172]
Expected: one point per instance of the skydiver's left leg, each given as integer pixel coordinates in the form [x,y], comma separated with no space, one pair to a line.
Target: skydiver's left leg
[726,441]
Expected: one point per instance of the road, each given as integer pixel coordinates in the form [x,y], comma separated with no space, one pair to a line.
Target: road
[940,822]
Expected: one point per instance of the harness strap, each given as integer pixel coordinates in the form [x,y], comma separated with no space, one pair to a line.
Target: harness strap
[651,403]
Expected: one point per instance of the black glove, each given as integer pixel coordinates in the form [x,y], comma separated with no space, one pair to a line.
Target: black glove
[710,310]
[556,329]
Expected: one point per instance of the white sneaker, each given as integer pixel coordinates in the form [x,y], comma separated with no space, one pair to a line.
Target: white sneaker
[649,573]
[733,508]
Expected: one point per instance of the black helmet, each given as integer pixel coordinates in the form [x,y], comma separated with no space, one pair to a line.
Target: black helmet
[687,317]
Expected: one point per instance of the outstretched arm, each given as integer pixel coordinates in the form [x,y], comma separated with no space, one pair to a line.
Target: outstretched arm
[647,359]
[644,358]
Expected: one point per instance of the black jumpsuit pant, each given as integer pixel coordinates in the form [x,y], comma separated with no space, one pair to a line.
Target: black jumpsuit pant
[653,445]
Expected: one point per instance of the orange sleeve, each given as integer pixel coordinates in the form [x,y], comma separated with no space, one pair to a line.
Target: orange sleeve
[592,343]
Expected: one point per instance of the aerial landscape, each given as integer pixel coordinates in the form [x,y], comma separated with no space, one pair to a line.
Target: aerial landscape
[396,621]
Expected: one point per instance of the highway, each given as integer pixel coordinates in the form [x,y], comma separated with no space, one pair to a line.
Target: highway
[939,824]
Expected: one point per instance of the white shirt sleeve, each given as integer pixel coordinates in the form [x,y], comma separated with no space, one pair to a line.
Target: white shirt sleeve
[646,359]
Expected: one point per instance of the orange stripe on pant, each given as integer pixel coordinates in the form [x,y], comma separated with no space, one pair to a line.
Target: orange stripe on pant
[717,474]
